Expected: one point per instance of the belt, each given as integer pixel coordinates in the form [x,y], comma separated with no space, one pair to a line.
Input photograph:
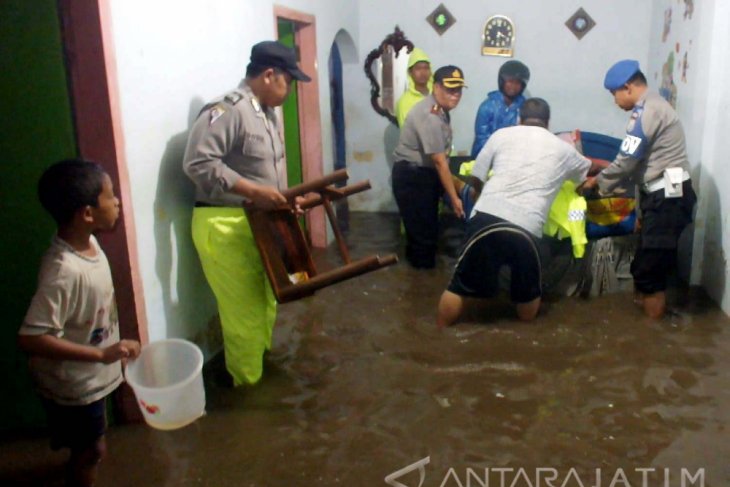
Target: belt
[412,165]
[658,183]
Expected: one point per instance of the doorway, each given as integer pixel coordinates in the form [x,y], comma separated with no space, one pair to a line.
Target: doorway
[302,131]
[337,111]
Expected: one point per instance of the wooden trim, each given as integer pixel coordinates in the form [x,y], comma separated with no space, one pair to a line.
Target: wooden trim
[91,70]
[310,129]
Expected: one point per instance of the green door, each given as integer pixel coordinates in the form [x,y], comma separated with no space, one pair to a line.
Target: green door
[291,115]
[36,129]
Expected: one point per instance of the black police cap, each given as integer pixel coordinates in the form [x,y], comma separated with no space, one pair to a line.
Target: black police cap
[273,54]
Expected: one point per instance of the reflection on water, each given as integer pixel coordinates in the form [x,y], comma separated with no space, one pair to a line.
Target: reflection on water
[360,383]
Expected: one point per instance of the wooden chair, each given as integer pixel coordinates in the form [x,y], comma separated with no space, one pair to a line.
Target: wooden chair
[284,249]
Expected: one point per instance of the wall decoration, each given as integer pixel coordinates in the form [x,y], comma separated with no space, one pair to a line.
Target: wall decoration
[498,37]
[668,90]
[689,8]
[580,23]
[382,80]
[667,23]
[441,19]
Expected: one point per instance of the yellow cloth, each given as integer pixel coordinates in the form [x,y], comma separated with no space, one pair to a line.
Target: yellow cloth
[411,96]
[567,218]
[609,211]
[246,302]
[466,167]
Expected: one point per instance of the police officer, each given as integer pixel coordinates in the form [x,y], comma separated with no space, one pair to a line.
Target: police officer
[652,155]
[235,156]
[421,171]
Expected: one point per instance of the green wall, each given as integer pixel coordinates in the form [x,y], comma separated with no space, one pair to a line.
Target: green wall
[36,129]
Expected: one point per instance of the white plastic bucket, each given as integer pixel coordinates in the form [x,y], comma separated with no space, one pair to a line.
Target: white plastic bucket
[168,382]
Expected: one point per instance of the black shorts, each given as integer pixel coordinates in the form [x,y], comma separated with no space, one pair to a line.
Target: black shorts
[492,243]
[75,427]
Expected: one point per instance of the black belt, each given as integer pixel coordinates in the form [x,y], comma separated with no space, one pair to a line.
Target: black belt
[413,165]
[203,204]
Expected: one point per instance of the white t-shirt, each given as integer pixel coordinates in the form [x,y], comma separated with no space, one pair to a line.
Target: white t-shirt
[74,301]
[530,165]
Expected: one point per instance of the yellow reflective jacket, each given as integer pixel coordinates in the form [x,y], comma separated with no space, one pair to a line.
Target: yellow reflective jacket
[567,218]
[411,95]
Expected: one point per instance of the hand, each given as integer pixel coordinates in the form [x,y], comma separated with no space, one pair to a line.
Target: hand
[123,349]
[587,186]
[267,198]
[296,207]
[458,207]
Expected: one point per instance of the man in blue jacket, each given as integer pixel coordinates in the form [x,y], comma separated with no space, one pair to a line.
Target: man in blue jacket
[501,107]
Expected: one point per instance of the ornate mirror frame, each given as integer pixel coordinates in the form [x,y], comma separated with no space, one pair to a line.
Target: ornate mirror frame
[397,41]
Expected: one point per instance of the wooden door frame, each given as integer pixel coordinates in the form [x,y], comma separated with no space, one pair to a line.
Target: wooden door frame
[92,75]
[310,129]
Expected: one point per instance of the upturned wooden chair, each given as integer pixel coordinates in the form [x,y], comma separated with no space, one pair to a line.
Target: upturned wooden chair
[285,251]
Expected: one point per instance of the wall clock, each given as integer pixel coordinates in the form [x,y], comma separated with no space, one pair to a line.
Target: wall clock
[498,38]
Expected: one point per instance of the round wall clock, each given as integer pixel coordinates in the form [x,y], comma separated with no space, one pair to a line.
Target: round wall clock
[498,38]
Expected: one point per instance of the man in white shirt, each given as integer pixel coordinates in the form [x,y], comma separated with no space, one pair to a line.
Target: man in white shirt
[529,165]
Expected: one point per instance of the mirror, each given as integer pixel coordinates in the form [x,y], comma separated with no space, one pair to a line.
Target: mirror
[387,69]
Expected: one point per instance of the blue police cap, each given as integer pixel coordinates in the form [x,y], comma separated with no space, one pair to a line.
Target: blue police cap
[620,73]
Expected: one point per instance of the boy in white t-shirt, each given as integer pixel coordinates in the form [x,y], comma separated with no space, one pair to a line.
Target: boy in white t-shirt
[71,329]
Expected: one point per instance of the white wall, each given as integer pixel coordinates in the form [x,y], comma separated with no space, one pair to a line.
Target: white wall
[172,56]
[703,104]
[712,241]
[566,72]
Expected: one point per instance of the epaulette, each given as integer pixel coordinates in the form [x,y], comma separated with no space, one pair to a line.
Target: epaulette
[233,97]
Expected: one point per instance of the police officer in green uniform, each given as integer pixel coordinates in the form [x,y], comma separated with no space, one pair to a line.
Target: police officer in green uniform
[653,156]
[421,171]
[235,157]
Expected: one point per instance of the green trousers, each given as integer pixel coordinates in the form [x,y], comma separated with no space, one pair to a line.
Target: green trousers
[246,303]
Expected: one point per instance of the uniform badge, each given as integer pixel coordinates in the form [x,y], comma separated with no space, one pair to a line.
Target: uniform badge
[233,98]
[255,104]
[215,114]
[436,109]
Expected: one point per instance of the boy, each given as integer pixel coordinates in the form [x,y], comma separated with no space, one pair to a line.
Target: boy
[71,331]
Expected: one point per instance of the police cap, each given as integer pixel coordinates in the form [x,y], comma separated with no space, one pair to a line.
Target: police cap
[273,54]
[449,76]
[620,73]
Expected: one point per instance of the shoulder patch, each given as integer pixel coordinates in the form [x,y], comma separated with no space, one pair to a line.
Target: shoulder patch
[233,97]
[215,113]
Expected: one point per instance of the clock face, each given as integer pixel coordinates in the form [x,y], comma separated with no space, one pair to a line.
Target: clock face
[498,37]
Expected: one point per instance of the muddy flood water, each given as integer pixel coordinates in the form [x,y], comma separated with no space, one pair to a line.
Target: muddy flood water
[361,386]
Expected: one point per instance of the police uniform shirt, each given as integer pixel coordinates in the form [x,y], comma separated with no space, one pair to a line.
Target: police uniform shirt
[427,131]
[234,137]
[654,142]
